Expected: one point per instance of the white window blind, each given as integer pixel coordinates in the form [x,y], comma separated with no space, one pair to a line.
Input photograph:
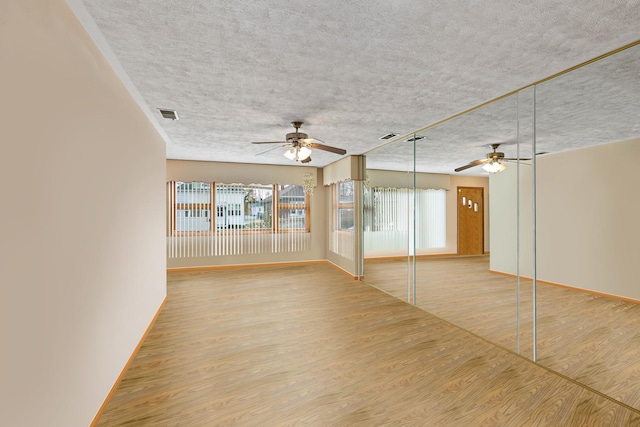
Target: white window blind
[388,218]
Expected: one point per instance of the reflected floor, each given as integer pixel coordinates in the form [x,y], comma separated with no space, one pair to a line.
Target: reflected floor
[592,339]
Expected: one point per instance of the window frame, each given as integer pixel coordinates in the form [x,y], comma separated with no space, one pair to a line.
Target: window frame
[340,206]
[213,216]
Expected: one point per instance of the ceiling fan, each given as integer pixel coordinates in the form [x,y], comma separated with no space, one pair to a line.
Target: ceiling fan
[493,162]
[300,145]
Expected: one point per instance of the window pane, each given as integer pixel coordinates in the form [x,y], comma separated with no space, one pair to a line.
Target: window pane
[243,206]
[345,219]
[193,200]
[345,192]
[292,207]
[291,195]
[293,219]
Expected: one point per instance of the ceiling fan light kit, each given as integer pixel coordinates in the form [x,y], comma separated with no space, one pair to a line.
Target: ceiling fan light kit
[298,153]
[494,167]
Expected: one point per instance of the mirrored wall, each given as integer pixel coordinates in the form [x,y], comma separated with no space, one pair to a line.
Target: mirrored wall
[517,221]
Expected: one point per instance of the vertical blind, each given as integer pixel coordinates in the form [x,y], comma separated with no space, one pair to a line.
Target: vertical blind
[388,218]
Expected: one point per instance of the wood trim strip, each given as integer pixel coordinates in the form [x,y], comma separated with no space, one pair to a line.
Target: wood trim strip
[126,366]
[573,288]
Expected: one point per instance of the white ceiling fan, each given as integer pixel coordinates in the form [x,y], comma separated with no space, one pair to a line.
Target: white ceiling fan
[299,145]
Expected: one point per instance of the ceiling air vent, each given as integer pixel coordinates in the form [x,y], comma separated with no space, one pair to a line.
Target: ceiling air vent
[388,136]
[414,138]
[169,114]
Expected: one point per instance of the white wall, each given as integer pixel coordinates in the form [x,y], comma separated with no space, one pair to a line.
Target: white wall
[82,219]
[587,227]
[231,173]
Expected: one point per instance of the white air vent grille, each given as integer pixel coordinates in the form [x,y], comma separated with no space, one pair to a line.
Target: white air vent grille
[169,114]
[414,138]
[388,136]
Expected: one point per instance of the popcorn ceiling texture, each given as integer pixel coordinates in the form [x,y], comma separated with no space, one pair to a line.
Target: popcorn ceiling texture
[353,71]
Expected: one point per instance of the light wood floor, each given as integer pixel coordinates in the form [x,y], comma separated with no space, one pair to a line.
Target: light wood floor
[592,339]
[306,345]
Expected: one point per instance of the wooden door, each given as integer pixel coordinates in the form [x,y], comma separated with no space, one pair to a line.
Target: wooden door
[470,220]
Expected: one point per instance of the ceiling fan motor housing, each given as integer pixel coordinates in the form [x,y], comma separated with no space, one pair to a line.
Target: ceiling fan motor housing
[295,137]
[495,155]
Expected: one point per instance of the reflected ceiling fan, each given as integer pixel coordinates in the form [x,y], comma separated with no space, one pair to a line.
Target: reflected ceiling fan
[493,162]
[299,145]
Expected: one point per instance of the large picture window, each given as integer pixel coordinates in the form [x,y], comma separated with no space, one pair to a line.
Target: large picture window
[242,216]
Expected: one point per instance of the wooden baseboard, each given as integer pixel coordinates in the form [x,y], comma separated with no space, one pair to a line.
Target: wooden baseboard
[423,256]
[573,288]
[342,270]
[243,266]
[261,265]
[126,366]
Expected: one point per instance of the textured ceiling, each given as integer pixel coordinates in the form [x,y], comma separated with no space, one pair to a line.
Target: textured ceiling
[238,72]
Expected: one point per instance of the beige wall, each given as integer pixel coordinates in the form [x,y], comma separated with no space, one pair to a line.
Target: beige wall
[504,220]
[82,219]
[587,226]
[231,173]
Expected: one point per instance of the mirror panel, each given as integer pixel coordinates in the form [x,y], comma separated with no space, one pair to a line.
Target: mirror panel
[587,227]
[388,220]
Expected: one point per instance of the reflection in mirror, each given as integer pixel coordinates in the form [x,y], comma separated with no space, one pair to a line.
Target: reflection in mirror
[462,290]
[588,312]
[559,284]
[388,228]
[461,286]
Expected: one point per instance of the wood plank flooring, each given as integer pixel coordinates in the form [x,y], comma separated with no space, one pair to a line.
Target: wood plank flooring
[592,339]
[307,345]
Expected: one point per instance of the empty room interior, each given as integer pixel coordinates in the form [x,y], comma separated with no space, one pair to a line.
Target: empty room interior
[342,213]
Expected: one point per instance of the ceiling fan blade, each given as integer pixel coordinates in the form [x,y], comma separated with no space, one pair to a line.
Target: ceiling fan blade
[326,148]
[470,165]
[525,158]
[269,142]
[270,149]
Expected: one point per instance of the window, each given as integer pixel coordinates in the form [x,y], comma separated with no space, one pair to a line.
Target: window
[342,238]
[345,213]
